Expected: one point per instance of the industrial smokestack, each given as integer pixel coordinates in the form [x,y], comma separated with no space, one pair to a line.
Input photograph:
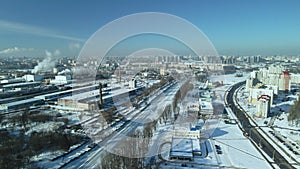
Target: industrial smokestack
[100,94]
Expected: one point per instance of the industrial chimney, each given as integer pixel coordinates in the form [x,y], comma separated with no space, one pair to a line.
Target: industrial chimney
[100,94]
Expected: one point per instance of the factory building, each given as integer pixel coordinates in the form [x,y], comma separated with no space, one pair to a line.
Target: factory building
[263,105]
[33,78]
[11,81]
[90,100]
[184,149]
[21,104]
[56,95]
[61,80]
[20,86]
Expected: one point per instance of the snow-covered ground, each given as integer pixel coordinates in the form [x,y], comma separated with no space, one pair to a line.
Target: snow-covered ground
[277,123]
[236,150]
[229,79]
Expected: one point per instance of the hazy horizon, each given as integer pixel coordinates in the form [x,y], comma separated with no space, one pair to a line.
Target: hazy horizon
[29,28]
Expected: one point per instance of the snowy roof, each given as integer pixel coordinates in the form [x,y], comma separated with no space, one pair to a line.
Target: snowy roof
[76,90]
[21,84]
[90,95]
[83,95]
[183,145]
[206,105]
[196,145]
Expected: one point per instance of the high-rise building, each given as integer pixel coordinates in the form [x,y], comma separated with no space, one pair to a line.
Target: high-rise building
[284,82]
[263,106]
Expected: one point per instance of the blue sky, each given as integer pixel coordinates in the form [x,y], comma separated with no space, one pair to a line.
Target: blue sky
[235,27]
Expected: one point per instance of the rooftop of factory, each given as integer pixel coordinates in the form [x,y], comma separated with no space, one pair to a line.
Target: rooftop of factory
[21,84]
[93,95]
[26,101]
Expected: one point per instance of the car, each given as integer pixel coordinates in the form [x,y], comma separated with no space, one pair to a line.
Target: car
[92,145]
[218,147]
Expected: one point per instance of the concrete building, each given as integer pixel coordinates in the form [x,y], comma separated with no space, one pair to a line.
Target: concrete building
[193,107]
[132,83]
[162,71]
[206,108]
[275,76]
[254,94]
[263,105]
[184,149]
[253,74]
[295,78]
[249,83]
[60,80]
[181,133]
[284,82]
[274,88]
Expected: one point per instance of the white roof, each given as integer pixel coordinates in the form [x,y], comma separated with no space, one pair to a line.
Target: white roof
[182,145]
[206,105]
[196,145]
[21,84]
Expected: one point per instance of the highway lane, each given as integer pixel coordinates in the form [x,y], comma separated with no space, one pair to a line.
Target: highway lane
[252,132]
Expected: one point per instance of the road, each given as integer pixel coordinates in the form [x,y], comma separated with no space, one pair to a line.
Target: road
[252,131]
[150,112]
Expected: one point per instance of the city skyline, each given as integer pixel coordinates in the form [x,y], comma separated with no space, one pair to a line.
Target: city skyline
[234,28]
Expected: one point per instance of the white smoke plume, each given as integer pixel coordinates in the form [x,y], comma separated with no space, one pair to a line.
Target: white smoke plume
[47,64]
[66,71]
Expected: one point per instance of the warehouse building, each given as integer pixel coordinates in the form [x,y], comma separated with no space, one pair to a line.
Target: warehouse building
[20,86]
[91,99]
[185,149]
[33,78]
[21,104]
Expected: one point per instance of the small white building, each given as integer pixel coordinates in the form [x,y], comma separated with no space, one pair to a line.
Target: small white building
[132,83]
[60,80]
[206,108]
[33,78]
